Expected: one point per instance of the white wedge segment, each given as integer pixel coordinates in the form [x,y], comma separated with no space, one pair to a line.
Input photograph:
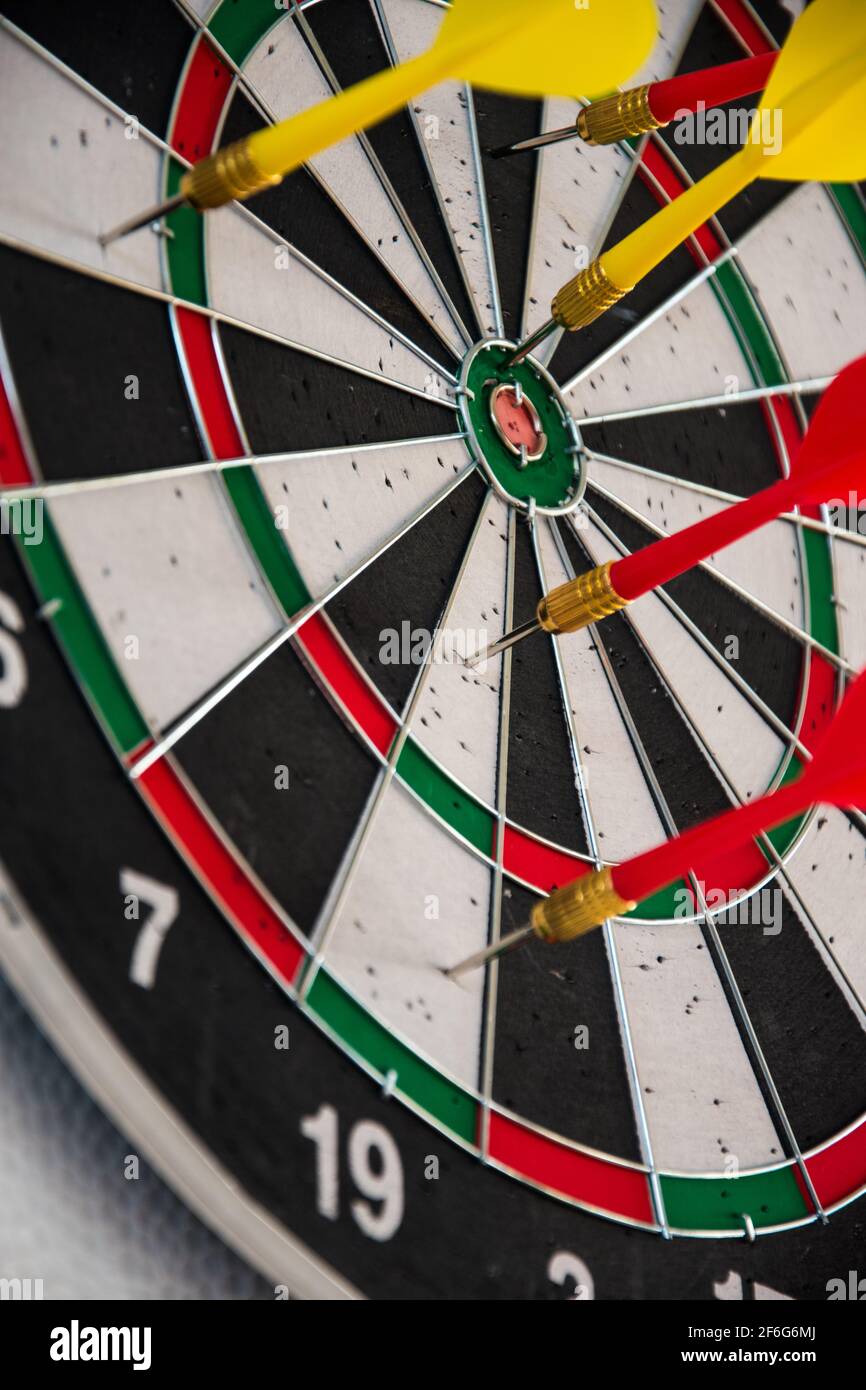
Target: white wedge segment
[344,169]
[689,353]
[810,282]
[747,750]
[457,717]
[252,277]
[766,563]
[829,874]
[418,902]
[73,169]
[612,774]
[580,186]
[850,567]
[443,123]
[171,583]
[704,1106]
[333,510]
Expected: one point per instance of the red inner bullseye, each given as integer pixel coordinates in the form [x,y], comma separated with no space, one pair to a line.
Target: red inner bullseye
[516,420]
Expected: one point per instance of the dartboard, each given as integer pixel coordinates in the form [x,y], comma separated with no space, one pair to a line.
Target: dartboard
[267,479]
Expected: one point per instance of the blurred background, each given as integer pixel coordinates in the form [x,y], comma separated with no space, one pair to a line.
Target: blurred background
[68,1216]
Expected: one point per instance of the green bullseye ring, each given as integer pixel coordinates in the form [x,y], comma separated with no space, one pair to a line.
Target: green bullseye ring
[554,482]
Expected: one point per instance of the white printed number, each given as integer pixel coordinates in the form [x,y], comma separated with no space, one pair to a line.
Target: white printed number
[163,903]
[732,1289]
[13,668]
[374,1166]
[564,1267]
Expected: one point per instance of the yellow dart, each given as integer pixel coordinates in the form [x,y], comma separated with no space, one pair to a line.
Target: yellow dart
[545,47]
[808,126]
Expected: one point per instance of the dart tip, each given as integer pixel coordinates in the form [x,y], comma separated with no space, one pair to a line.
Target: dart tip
[475,659]
[144,219]
[499,151]
[490,953]
[453,972]
[463,967]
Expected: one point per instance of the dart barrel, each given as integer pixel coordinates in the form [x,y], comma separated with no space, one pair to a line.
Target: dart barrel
[578,907]
[585,298]
[617,117]
[228,173]
[580,601]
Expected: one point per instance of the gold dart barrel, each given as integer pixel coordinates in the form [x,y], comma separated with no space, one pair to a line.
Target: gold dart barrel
[228,173]
[585,298]
[617,117]
[580,601]
[578,907]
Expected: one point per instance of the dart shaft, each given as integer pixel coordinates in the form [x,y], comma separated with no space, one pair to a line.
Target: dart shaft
[517,634]
[639,110]
[505,943]
[664,559]
[280,148]
[531,342]
[797,156]
[536,142]
[597,896]
[637,254]
[646,873]
[567,608]
[142,219]
[710,86]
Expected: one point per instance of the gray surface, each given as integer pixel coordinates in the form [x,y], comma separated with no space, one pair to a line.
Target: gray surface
[68,1215]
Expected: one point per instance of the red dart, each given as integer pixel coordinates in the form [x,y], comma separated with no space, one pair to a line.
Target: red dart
[712,86]
[836,775]
[831,463]
[640,109]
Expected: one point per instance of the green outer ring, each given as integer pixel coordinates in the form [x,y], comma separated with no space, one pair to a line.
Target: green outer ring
[556,480]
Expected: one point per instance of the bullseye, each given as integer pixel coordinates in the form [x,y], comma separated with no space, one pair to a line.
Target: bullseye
[520,429]
[517,422]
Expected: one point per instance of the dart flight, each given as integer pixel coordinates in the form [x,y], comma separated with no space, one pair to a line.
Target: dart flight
[641,109]
[817,90]
[830,464]
[836,776]
[546,47]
